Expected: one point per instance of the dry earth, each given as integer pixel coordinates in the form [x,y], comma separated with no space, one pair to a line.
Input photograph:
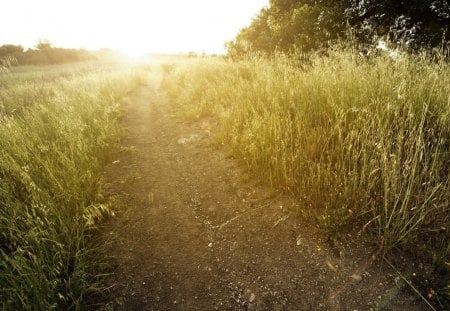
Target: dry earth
[195,232]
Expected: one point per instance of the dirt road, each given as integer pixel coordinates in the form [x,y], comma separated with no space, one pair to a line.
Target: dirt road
[197,233]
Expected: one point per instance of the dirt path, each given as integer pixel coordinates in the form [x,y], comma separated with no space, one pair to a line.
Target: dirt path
[198,234]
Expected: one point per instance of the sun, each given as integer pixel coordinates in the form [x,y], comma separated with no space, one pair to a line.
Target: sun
[134,27]
[134,52]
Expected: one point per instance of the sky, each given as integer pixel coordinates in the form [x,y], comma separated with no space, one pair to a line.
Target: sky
[132,26]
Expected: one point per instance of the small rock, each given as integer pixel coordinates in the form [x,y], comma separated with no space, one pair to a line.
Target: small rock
[252,297]
[187,140]
[182,141]
[252,307]
[356,277]
[331,266]
[210,245]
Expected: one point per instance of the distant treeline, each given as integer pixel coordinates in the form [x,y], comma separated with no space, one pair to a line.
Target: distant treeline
[45,54]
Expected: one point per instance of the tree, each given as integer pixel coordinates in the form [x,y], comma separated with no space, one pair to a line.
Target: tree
[307,25]
[257,38]
[43,44]
[414,23]
[288,25]
[10,50]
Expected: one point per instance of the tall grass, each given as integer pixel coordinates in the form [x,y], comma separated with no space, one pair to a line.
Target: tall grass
[363,142]
[57,127]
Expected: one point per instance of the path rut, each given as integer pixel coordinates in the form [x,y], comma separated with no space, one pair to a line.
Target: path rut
[195,232]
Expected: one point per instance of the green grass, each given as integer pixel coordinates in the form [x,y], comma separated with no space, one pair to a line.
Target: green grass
[362,143]
[57,127]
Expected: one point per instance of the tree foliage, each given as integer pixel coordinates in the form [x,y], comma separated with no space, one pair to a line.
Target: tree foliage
[307,25]
[43,44]
[10,49]
[414,23]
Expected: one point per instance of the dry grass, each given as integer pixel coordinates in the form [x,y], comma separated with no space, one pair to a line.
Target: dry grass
[57,127]
[361,142]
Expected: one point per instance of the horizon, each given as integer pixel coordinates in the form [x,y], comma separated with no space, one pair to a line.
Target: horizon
[131,27]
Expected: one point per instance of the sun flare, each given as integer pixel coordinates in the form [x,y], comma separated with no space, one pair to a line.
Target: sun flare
[134,52]
[134,27]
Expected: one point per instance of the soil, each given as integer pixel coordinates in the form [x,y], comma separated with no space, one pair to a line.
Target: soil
[195,231]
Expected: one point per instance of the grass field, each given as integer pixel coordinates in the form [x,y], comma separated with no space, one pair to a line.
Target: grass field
[57,127]
[362,142]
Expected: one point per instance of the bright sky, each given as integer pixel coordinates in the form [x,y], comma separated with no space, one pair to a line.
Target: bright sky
[133,26]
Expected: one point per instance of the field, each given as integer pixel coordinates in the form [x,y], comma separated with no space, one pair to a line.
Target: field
[340,146]
[363,143]
[57,128]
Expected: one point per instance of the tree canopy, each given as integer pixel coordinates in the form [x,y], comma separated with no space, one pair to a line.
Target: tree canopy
[307,25]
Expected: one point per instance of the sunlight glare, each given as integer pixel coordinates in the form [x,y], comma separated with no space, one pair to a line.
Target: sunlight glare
[133,26]
[134,51]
